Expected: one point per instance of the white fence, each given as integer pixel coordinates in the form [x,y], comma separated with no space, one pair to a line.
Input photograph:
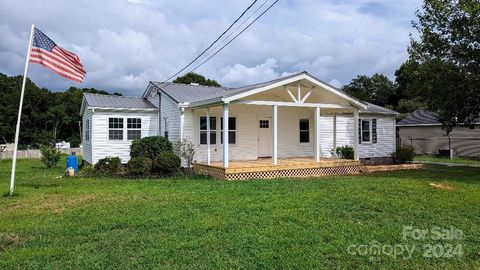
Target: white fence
[35,153]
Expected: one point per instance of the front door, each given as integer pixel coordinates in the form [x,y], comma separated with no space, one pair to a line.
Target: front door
[264,140]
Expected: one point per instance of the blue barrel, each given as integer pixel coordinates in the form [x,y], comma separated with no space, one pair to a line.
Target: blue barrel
[72,162]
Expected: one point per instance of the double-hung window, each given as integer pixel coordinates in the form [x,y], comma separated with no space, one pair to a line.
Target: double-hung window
[165,128]
[366,131]
[134,128]
[203,130]
[232,130]
[115,128]
[87,130]
[304,130]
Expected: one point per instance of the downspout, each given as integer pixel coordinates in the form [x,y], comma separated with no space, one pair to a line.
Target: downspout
[159,112]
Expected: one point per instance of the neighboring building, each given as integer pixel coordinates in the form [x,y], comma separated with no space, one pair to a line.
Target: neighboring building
[422,130]
[290,117]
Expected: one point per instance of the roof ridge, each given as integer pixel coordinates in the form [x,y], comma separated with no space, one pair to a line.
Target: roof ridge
[191,85]
[112,95]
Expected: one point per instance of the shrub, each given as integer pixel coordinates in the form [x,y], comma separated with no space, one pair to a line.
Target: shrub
[345,152]
[140,166]
[404,154]
[167,163]
[185,150]
[109,166]
[50,155]
[150,147]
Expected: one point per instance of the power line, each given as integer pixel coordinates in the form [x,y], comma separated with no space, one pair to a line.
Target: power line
[234,30]
[243,30]
[204,51]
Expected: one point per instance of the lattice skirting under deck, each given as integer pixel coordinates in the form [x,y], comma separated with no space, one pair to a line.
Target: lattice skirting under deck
[220,173]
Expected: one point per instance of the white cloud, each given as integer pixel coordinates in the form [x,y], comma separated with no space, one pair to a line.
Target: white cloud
[240,74]
[125,44]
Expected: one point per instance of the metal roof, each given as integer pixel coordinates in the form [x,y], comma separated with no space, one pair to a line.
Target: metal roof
[112,101]
[375,109]
[182,93]
[199,95]
[187,93]
[420,117]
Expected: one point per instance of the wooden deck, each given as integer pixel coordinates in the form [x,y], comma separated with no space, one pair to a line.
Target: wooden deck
[264,169]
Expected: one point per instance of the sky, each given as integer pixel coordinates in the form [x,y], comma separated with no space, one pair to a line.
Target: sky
[124,44]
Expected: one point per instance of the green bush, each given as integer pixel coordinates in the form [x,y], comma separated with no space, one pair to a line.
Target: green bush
[140,166]
[109,166]
[50,155]
[345,152]
[167,163]
[150,147]
[404,154]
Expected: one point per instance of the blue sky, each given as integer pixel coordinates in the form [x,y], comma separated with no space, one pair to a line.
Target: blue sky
[125,44]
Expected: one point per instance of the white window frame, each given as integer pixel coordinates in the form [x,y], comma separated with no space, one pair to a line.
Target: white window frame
[370,131]
[304,130]
[136,128]
[235,130]
[87,129]
[165,129]
[122,128]
[264,123]
[212,130]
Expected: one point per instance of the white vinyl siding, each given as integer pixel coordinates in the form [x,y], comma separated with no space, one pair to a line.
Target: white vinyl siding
[170,118]
[119,148]
[384,147]
[248,118]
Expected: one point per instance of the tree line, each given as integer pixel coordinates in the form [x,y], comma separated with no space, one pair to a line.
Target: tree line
[47,116]
[442,73]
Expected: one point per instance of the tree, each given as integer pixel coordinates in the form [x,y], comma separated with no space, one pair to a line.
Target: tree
[46,115]
[193,77]
[377,89]
[446,60]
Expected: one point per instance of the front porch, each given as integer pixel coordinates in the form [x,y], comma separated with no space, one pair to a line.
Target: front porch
[263,168]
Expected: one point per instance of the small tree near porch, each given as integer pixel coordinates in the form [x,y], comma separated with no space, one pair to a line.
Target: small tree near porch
[185,150]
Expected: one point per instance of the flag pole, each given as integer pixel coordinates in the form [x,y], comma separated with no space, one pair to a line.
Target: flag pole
[17,131]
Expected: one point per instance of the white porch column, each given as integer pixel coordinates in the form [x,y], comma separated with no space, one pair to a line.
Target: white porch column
[275,134]
[182,121]
[355,135]
[335,134]
[209,160]
[225,135]
[316,122]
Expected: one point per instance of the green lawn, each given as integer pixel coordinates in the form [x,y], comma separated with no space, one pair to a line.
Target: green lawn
[456,160]
[62,223]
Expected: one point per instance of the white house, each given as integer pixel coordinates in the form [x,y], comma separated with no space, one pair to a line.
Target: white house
[297,116]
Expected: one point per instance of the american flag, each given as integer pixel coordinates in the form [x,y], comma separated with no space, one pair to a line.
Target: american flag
[45,52]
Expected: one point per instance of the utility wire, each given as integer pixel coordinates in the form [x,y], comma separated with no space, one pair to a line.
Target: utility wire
[204,51]
[234,30]
[243,30]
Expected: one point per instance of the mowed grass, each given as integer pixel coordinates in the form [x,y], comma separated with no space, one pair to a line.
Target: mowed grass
[63,223]
[457,160]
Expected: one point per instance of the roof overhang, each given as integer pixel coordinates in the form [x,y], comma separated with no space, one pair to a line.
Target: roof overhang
[123,109]
[83,106]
